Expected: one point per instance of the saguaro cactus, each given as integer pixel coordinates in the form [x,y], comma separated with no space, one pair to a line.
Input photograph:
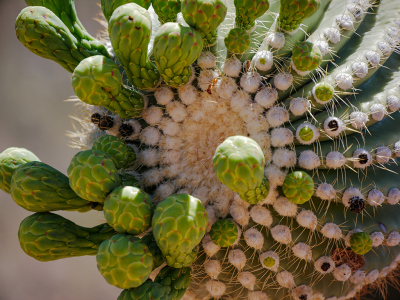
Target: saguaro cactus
[266,136]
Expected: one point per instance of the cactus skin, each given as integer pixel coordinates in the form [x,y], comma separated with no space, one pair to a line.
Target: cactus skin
[292,13]
[298,187]
[48,237]
[306,56]
[248,11]
[130,29]
[361,242]
[166,10]
[93,175]
[239,164]
[124,261]
[128,210]
[206,16]
[108,6]
[38,187]
[116,149]
[224,233]
[179,223]
[175,49]
[10,160]
[97,81]
[237,41]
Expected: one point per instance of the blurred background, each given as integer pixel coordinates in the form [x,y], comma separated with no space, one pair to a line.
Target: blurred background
[33,115]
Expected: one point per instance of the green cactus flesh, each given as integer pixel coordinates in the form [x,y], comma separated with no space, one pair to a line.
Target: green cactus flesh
[266,135]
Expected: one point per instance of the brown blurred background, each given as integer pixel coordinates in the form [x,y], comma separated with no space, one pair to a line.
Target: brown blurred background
[33,115]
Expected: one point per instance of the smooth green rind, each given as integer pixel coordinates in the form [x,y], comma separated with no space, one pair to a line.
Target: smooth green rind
[151,243]
[10,160]
[130,30]
[108,6]
[298,187]
[167,10]
[176,281]
[361,242]
[93,175]
[205,16]
[38,187]
[306,56]
[239,164]
[124,261]
[179,223]
[48,237]
[147,291]
[292,13]
[97,81]
[115,148]
[128,210]
[248,11]
[224,233]
[175,48]
[237,41]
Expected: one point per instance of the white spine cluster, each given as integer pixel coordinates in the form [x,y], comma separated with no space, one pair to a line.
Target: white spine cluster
[261,215]
[263,60]
[342,273]
[393,196]
[164,95]
[302,251]
[307,219]
[285,208]
[284,158]
[335,160]
[358,119]
[216,288]
[283,81]
[377,238]
[281,234]
[277,116]
[254,238]
[375,197]
[285,279]
[309,160]
[266,96]
[250,81]
[383,155]
[325,191]
[332,231]
[247,279]
[213,268]
[237,258]
[299,106]
[324,265]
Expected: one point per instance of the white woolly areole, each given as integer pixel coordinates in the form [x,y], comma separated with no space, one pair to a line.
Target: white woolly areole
[299,106]
[164,190]
[337,124]
[152,115]
[384,272]
[152,177]
[188,94]
[345,22]
[117,122]
[254,238]
[232,67]
[349,234]
[377,238]
[277,116]
[164,95]
[170,127]
[385,48]
[170,157]
[206,77]
[239,201]
[272,196]
[323,46]
[281,234]
[285,279]
[239,214]
[315,132]
[136,129]
[250,81]
[302,292]
[373,58]
[302,251]
[332,35]
[240,100]
[383,155]
[331,231]
[177,111]
[266,97]
[283,81]
[225,87]
[150,136]
[171,142]
[375,197]
[344,81]
[256,125]
[285,208]
[377,111]
[237,258]
[276,40]
[261,215]
[324,265]
[213,268]
[350,193]
[325,191]
[307,219]
[393,103]
[206,60]
[275,175]
[396,149]
[372,276]
[257,295]
[251,112]
[284,158]
[309,160]
[216,288]
[149,157]
[318,296]
[362,159]
[393,239]
[247,279]
[273,255]
[358,277]
[335,160]
[342,273]
[212,213]
[263,60]
[360,69]
[393,196]
[209,247]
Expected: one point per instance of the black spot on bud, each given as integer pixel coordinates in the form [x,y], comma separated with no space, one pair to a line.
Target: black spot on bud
[303,297]
[333,125]
[106,123]
[125,130]
[95,118]
[325,266]
[357,204]
[130,18]
[363,159]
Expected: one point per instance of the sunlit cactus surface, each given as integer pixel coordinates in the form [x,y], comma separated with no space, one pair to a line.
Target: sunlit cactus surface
[239,149]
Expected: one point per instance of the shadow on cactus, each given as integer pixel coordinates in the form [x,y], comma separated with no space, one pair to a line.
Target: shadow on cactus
[238,149]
